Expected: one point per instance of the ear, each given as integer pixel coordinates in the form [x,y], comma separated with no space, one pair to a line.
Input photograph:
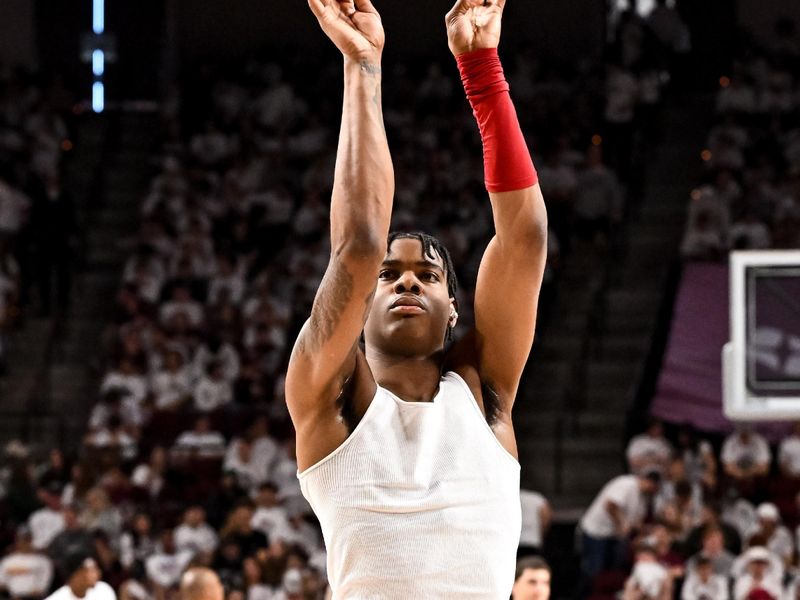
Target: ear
[453,319]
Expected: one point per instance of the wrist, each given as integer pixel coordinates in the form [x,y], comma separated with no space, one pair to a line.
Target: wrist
[366,64]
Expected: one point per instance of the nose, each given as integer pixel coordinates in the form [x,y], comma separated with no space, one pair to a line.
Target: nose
[407,282]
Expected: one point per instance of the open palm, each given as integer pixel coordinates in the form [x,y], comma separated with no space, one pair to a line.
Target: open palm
[353,25]
[474,24]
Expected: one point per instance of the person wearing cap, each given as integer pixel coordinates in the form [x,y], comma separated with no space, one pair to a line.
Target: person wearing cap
[758,573]
[532,579]
[615,513]
[83,580]
[777,538]
[24,572]
[702,582]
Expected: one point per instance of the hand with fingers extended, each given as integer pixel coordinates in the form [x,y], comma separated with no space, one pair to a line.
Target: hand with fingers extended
[353,25]
[473,25]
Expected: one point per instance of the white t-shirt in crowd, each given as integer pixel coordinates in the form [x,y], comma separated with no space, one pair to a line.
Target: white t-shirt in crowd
[198,540]
[656,451]
[101,591]
[166,569]
[170,388]
[754,452]
[135,385]
[789,454]
[745,584]
[532,503]
[45,525]
[269,519]
[209,395]
[26,575]
[696,589]
[210,444]
[625,493]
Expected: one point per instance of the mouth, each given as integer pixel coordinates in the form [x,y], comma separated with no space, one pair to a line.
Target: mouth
[408,305]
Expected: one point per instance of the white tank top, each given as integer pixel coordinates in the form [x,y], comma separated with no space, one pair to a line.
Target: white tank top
[420,502]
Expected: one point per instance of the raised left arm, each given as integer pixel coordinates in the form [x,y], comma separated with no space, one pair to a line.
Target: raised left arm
[510,275]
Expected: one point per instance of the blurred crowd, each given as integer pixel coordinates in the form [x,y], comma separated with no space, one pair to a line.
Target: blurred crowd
[37,217]
[750,199]
[188,456]
[692,522]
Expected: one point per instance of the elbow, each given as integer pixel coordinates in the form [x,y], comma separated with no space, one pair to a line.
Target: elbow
[360,246]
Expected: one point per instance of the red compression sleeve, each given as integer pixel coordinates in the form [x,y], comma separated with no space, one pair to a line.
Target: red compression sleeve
[507,162]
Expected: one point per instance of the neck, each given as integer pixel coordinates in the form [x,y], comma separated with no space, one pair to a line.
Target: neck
[78,590]
[415,379]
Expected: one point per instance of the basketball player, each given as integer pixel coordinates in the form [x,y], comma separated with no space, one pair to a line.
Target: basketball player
[406,449]
[199,583]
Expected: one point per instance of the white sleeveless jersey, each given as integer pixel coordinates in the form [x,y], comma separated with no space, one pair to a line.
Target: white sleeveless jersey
[420,502]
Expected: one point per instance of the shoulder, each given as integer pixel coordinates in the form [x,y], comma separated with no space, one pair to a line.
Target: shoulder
[61,593]
[102,591]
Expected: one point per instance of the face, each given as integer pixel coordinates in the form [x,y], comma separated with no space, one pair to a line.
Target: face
[712,543]
[412,308]
[533,584]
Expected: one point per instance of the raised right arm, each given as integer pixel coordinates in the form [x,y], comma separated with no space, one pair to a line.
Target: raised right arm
[324,356]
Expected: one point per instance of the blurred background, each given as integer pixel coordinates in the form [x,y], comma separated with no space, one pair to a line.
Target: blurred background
[165,174]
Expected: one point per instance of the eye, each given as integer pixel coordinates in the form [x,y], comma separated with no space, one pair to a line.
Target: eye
[429,276]
[386,274]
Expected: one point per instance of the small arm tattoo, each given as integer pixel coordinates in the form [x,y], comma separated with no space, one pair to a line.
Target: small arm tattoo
[370,69]
[335,292]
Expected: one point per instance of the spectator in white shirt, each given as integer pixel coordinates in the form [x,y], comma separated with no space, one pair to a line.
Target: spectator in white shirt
[213,391]
[649,580]
[749,233]
[128,376]
[200,441]
[137,544]
[269,515]
[703,584]
[171,386]
[298,531]
[149,476]
[195,535]
[615,513]
[216,350]
[165,567]
[649,450]
[789,453]
[228,278]
[536,515]
[713,548]
[745,454]
[101,515]
[181,302]
[777,537]
[47,522]
[757,569]
[250,471]
[25,573]
[83,581]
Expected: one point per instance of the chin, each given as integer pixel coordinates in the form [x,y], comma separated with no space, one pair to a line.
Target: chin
[408,339]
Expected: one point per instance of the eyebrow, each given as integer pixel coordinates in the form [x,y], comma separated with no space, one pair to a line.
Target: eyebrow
[420,263]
